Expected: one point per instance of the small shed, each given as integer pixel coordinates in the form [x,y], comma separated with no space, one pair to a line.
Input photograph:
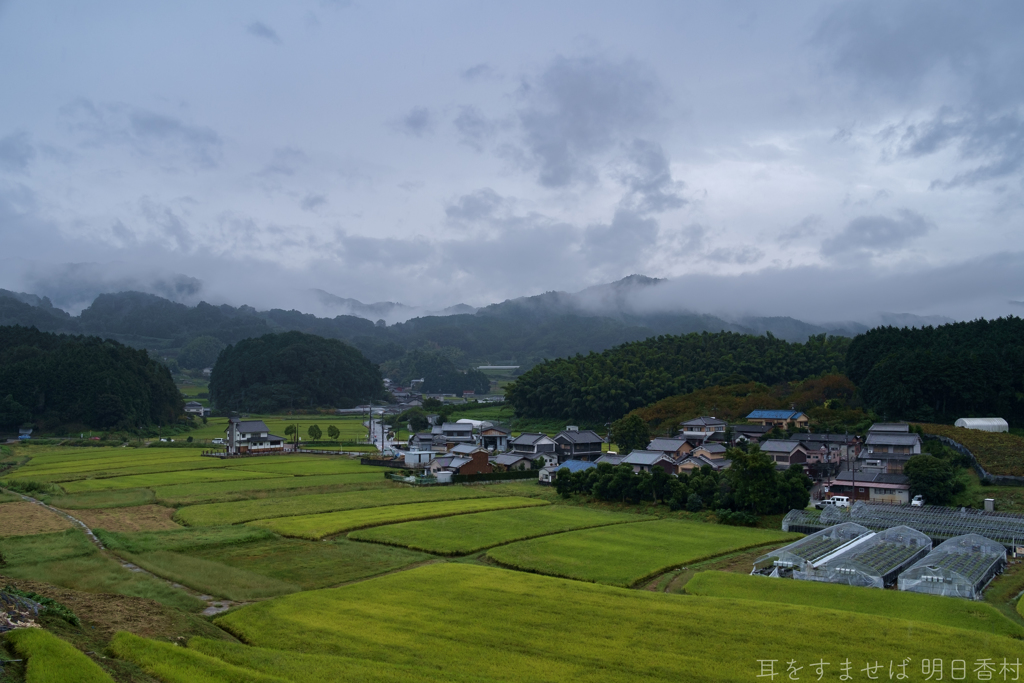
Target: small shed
[984,424]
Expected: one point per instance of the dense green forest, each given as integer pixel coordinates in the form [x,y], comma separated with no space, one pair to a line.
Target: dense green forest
[439,374]
[67,382]
[939,374]
[292,370]
[605,386]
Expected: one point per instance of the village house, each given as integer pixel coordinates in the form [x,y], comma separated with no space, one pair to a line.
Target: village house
[645,461]
[785,452]
[548,474]
[612,459]
[454,433]
[467,460]
[689,463]
[876,487]
[494,438]
[672,447]
[878,443]
[532,443]
[779,418]
[703,426]
[251,437]
[898,427]
[512,461]
[714,451]
[194,408]
[749,433]
[573,444]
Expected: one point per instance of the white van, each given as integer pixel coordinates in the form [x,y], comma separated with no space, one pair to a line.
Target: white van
[218,441]
[834,501]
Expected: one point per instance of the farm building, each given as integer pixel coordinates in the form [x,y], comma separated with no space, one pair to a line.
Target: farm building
[960,567]
[939,523]
[807,552]
[873,560]
[984,424]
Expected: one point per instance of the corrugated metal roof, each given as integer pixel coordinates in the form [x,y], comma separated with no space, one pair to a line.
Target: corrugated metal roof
[774,415]
[892,439]
[573,466]
[585,436]
[779,446]
[644,457]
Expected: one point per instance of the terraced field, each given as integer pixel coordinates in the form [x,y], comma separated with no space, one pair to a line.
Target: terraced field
[315,527]
[466,534]
[624,555]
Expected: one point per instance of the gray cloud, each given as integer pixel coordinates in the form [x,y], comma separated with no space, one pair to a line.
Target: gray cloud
[168,224]
[419,121]
[478,72]
[743,256]
[867,236]
[312,202]
[148,133]
[73,286]
[261,30]
[580,107]
[285,161]
[650,183]
[474,128]
[807,227]
[16,152]
[476,206]
[622,242]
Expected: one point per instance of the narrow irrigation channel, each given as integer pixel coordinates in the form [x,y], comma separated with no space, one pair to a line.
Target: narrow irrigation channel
[213,605]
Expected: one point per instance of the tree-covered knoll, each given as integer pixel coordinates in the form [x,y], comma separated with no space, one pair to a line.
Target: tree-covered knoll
[604,386]
[56,381]
[292,370]
[939,374]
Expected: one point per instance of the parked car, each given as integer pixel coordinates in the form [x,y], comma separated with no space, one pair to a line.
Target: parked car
[917,502]
[834,501]
[218,441]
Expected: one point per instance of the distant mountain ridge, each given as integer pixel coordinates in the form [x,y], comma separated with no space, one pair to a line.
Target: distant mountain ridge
[525,330]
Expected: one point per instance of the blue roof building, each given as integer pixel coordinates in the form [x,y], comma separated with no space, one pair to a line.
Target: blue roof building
[547,475]
[779,418]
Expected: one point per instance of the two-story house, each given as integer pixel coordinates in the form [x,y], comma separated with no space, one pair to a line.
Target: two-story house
[573,444]
[251,437]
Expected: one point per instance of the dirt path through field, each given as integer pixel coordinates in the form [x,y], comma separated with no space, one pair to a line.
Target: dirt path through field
[213,605]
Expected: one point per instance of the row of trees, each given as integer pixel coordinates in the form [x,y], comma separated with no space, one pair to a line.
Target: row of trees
[605,386]
[751,486]
[314,432]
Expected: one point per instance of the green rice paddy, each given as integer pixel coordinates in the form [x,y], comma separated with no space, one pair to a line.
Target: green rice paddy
[624,555]
[316,527]
[466,534]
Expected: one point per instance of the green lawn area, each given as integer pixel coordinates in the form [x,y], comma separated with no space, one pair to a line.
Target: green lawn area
[351,427]
[315,527]
[466,534]
[956,612]
[312,564]
[214,514]
[526,627]
[626,554]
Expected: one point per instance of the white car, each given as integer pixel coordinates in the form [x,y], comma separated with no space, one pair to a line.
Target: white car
[917,502]
[217,441]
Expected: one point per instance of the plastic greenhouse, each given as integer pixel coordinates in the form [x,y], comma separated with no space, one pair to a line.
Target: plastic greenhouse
[985,424]
[959,567]
[809,550]
[874,560]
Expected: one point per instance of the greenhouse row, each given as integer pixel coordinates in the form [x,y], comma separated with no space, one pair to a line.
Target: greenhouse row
[852,554]
[938,523]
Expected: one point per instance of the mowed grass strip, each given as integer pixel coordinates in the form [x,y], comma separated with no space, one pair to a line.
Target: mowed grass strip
[957,612]
[312,564]
[208,576]
[139,518]
[187,494]
[244,511]
[315,527]
[624,555]
[469,533]
[554,630]
[161,479]
[52,660]
[95,500]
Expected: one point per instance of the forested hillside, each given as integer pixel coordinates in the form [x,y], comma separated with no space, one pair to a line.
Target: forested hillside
[939,374]
[439,374]
[604,386]
[56,381]
[292,370]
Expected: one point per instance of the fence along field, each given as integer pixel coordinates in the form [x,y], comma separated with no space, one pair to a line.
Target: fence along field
[213,514]
[315,527]
[625,555]
[977,616]
[420,618]
[466,534]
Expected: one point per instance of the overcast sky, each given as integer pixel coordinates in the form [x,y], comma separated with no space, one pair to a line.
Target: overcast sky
[819,159]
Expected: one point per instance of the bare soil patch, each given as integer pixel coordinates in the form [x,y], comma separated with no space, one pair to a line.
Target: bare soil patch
[25,519]
[137,518]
